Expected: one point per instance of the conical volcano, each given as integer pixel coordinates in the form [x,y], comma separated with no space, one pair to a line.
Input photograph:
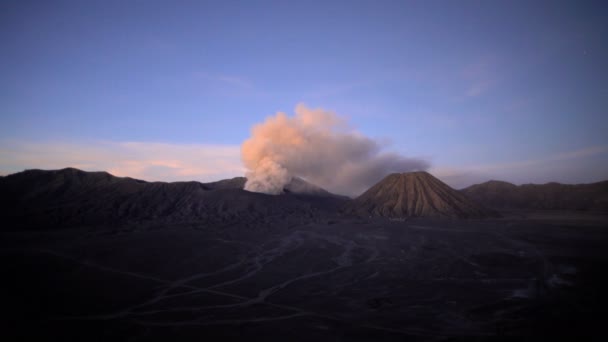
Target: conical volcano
[416,194]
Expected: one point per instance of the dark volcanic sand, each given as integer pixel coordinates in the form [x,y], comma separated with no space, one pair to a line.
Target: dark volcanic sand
[525,276]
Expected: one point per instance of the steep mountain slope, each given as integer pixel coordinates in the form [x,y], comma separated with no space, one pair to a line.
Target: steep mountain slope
[415,194]
[232,183]
[301,187]
[71,197]
[296,186]
[503,195]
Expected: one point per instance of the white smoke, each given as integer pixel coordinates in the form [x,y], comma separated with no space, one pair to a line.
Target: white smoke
[318,146]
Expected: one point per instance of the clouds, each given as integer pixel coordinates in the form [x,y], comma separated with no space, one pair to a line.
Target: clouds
[314,144]
[150,161]
[319,146]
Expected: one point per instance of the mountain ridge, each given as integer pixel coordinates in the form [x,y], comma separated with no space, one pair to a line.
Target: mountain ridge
[72,197]
[547,196]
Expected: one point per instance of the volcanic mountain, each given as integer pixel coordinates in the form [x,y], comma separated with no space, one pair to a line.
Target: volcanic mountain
[296,186]
[71,197]
[415,194]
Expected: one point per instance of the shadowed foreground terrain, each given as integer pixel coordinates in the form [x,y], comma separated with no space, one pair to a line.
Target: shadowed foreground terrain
[289,274]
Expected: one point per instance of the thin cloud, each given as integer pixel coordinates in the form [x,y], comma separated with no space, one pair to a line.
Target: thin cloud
[150,161]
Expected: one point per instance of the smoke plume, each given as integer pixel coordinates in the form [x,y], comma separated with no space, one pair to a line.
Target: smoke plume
[320,147]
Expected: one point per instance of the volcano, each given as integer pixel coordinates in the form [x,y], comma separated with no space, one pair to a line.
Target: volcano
[415,194]
[72,197]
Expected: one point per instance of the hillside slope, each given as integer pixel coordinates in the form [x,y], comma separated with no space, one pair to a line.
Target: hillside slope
[71,197]
[415,194]
[550,196]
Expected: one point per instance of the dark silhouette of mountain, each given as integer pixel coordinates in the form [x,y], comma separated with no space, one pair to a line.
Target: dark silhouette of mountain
[552,196]
[301,187]
[232,183]
[415,194]
[296,186]
[70,197]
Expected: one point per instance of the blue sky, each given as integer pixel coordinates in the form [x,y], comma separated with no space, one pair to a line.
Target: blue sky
[168,90]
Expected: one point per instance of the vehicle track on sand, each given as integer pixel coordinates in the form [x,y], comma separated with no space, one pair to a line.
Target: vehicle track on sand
[343,261]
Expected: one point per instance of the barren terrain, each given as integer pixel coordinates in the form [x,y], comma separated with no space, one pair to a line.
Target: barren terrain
[346,279]
[89,256]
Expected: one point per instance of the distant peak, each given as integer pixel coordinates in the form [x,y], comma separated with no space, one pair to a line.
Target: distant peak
[417,173]
[298,185]
[415,194]
[412,174]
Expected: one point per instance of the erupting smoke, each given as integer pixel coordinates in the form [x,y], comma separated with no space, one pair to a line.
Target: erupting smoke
[318,146]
